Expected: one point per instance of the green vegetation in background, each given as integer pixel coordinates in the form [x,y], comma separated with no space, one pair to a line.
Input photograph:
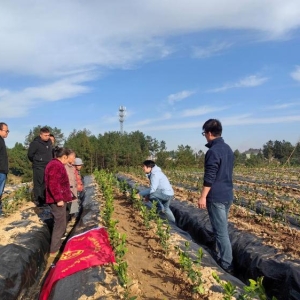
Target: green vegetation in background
[114,150]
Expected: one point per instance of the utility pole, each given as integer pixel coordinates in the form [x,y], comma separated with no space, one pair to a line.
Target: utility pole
[122,114]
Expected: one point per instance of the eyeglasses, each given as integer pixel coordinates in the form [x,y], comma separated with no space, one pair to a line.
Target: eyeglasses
[7,131]
[203,133]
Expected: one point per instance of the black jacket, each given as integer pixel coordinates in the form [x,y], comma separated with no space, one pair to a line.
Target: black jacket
[218,171]
[3,157]
[40,152]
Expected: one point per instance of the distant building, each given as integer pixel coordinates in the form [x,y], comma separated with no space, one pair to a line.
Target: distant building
[251,152]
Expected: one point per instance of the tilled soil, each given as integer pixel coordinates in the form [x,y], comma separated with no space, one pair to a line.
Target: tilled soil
[152,273]
[281,236]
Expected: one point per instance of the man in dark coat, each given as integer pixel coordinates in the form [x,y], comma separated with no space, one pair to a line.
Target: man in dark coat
[40,153]
[3,160]
[217,191]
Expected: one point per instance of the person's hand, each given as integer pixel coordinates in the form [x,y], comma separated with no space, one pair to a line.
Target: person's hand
[146,199]
[60,203]
[202,202]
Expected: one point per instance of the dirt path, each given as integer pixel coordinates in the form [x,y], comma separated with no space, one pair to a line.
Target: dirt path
[154,275]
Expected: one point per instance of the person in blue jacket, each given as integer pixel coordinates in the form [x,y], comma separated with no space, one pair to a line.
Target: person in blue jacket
[217,191]
[160,188]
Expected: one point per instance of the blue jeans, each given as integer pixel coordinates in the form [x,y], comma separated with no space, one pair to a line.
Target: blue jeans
[2,183]
[163,202]
[218,215]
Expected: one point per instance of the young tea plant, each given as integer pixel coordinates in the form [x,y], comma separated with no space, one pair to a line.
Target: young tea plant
[192,268]
[117,240]
[255,290]
[145,215]
[21,195]
[229,289]
[163,232]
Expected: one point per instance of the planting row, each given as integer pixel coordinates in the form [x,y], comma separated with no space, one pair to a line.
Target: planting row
[275,201]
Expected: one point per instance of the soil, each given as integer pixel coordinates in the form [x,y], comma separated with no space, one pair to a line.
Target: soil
[155,275]
[279,235]
[152,273]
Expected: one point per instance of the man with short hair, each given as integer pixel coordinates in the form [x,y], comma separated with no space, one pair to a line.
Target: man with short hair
[3,160]
[160,189]
[217,191]
[40,153]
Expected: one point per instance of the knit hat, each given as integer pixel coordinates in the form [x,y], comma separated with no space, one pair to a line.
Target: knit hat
[78,161]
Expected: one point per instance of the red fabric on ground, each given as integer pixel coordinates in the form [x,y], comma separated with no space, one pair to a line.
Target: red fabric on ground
[82,251]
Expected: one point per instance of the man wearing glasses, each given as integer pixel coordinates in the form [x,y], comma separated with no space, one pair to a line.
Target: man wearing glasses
[3,160]
[40,153]
[217,191]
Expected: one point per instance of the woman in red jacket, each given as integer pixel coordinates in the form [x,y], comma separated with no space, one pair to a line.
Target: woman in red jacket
[57,194]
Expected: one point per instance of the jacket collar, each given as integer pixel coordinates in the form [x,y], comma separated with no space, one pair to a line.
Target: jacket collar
[214,141]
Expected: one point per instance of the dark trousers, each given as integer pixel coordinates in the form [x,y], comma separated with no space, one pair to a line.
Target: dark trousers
[59,227]
[39,185]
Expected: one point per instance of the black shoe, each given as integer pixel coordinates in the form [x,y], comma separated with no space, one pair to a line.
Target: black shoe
[229,270]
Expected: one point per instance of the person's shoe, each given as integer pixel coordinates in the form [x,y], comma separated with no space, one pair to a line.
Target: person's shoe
[229,270]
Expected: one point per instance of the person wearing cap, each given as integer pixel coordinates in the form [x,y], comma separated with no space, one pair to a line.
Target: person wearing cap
[78,163]
[78,166]
[73,208]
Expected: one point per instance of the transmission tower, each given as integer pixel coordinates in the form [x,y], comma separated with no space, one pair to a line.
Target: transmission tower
[122,114]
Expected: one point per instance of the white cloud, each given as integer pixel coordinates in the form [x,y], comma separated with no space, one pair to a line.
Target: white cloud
[202,110]
[237,120]
[282,106]
[164,117]
[296,74]
[248,120]
[214,49]
[179,96]
[250,81]
[17,104]
[50,38]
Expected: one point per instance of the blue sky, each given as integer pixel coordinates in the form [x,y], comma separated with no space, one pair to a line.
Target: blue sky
[172,64]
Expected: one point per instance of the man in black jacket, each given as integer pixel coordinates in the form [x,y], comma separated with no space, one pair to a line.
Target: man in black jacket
[40,153]
[217,191]
[3,160]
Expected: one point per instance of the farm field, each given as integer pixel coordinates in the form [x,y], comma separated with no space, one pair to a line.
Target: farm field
[267,202]
[153,274]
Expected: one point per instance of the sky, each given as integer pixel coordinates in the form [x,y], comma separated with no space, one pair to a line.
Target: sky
[173,65]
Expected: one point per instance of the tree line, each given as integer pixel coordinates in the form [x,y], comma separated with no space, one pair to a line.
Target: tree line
[114,149]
